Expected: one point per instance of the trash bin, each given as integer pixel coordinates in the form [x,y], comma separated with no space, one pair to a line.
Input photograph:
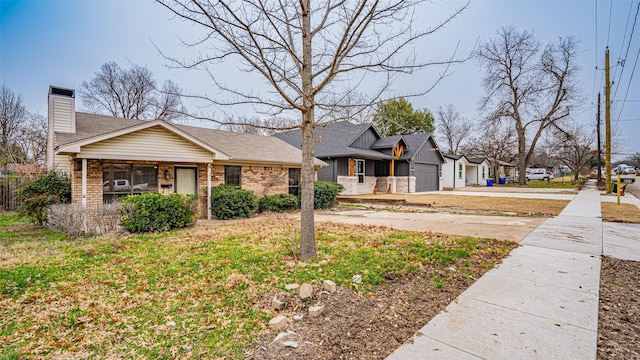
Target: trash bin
[614,187]
[502,181]
[489,182]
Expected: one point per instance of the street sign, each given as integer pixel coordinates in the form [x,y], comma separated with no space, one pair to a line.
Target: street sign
[628,180]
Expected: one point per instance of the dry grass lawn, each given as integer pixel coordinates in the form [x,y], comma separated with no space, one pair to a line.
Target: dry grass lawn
[519,206]
[624,213]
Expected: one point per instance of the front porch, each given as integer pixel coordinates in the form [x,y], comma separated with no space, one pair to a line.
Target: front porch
[355,185]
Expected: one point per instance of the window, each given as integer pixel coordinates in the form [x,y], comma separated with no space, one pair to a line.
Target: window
[483,175]
[460,171]
[232,175]
[126,179]
[359,171]
[294,181]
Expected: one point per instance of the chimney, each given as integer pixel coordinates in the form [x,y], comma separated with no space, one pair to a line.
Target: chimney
[62,116]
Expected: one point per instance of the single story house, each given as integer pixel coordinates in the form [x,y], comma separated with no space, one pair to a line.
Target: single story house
[108,157]
[459,171]
[363,161]
[504,170]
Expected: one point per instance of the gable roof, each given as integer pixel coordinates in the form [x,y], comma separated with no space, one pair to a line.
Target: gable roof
[227,145]
[333,140]
[476,160]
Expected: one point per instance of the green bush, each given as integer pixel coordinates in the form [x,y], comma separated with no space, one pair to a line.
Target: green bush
[325,194]
[158,212]
[51,188]
[228,202]
[278,203]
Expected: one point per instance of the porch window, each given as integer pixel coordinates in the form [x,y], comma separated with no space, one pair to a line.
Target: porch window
[460,171]
[483,176]
[232,175]
[294,181]
[126,179]
[359,171]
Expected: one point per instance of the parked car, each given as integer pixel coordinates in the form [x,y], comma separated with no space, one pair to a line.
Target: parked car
[539,174]
[121,185]
[550,175]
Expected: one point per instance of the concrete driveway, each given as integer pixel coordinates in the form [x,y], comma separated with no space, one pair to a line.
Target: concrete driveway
[497,227]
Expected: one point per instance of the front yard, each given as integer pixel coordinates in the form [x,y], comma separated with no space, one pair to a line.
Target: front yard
[198,292]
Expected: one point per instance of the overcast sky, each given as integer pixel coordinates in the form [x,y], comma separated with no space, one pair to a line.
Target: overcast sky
[63,43]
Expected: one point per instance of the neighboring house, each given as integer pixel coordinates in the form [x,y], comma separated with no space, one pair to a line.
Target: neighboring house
[503,170]
[362,160]
[459,171]
[108,157]
[478,171]
[13,169]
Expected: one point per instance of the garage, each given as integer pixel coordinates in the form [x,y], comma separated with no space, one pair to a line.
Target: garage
[426,177]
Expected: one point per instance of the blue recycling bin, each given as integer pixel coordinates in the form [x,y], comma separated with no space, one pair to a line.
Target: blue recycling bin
[489,182]
[502,181]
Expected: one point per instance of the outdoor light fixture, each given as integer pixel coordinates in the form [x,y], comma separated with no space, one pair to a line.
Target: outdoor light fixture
[167,176]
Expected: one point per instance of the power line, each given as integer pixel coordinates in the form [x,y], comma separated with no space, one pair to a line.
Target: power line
[629,85]
[624,59]
[610,11]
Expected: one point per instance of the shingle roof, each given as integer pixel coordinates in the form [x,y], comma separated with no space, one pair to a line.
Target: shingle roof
[239,146]
[476,160]
[335,139]
[386,142]
[452,156]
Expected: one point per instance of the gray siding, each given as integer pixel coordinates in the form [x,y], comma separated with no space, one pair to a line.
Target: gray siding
[402,168]
[342,167]
[427,154]
[365,140]
[370,168]
[326,173]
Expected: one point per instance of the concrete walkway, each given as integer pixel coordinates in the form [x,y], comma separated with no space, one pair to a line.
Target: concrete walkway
[540,303]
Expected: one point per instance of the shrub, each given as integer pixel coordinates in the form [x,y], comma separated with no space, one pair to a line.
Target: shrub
[229,202]
[158,212]
[67,218]
[278,203]
[326,194]
[51,188]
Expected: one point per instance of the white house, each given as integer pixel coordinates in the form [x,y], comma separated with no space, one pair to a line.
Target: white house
[478,171]
[459,171]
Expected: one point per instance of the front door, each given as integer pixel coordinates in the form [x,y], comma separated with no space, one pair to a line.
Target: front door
[186,180]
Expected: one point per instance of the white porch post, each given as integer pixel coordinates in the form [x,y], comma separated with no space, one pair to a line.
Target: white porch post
[208,191]
[84,195]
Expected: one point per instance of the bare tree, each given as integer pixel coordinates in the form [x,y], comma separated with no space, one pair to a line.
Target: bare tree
[453,128]
[131,93]
[258,126]
[167,103]
[12,114]
[573,147]
[497,141]
[33,139]
[301,49]
[534,88]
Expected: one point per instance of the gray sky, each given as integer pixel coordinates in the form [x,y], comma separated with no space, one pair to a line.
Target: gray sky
[64,42]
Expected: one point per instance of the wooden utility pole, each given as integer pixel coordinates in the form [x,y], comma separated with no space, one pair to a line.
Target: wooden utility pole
[607,119]
[599,145]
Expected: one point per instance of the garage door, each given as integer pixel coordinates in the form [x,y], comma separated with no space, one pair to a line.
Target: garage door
[426,177]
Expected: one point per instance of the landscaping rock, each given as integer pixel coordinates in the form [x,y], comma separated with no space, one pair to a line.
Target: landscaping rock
[291,344]
[316,310]
[278,323]
[357,279]
[306,291]
[298,317]
[329,286]
[292,286]
[277,304]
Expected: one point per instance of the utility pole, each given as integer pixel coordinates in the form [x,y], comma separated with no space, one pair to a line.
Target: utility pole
[599,146]
[607,117]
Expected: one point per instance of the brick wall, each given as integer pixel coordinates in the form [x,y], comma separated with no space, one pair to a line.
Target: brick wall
[262,180]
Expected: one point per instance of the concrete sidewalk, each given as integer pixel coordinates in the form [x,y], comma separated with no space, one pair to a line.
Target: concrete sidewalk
[540,303]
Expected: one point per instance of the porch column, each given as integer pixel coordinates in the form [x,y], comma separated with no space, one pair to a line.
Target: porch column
[208,191]
[84,195]
[392,166]
[352,166]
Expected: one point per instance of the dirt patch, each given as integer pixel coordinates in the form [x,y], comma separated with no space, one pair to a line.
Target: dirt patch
[619,314]
[624,213]
[467,204]
[370,326]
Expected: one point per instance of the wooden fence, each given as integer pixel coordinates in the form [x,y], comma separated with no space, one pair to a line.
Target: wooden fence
[9,187]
